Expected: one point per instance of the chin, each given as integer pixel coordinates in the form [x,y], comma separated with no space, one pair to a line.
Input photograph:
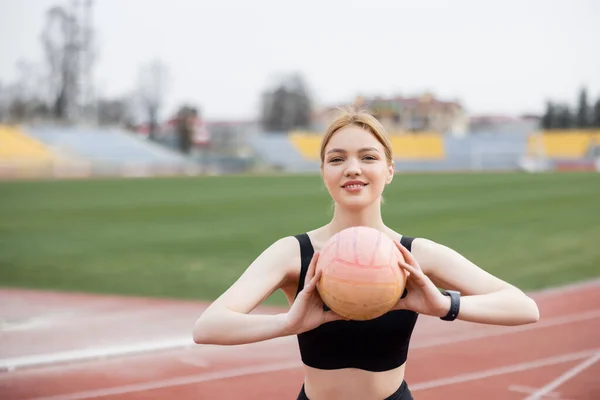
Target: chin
[356,203]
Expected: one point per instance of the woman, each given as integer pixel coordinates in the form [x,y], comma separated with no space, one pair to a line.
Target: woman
[357,359]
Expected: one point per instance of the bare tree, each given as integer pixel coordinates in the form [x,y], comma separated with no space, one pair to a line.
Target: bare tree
[114,111]
[89,54]
[4,101]
[287,106]
[58,39]
[187,117]
[152,88]
[67,41]
[24,99]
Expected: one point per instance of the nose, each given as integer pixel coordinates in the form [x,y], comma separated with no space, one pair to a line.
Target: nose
[352,168]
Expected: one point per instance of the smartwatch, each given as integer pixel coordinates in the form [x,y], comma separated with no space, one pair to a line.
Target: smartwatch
[454,305]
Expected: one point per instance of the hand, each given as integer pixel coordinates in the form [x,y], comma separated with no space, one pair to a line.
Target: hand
[423,296]
[307,312]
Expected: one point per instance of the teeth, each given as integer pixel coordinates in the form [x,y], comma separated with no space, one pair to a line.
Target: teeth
[354,186]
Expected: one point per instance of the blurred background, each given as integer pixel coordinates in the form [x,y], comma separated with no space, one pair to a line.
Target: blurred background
[222,106]
[110,88]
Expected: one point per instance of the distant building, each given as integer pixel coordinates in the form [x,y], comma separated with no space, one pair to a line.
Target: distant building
[498,124]
[424,113]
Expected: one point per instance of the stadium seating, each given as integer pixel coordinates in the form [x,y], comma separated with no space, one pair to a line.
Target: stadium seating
[563,144]
[287,153]
[418,147]
[299,151]
[307,144]
[411,147]
[17,147]
[105,146]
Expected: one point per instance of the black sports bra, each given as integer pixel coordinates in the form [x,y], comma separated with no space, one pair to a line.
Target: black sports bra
[379,344]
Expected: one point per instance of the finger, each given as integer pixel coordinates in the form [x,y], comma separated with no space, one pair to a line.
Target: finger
[313,282]
[417,279]
[407,255]
[331,316]
[410,269]
[310,273]
[412,275]
[400,305]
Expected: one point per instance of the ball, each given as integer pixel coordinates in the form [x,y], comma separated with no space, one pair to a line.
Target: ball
[361,278]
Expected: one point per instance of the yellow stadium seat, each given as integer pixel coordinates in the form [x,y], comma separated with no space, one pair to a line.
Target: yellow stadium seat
[18,147]
[563,143]
[418,147]
[307,144]
[414,147]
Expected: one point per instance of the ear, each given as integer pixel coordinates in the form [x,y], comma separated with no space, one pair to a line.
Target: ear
[391,169]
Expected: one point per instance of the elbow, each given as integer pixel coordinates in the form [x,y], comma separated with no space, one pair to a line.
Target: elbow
[202,332]
[532,312]
[536,313]
[199,335]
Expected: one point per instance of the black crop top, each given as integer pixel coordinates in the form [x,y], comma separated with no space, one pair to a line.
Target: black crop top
[379,344]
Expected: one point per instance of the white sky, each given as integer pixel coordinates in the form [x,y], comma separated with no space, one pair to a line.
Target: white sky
[504,56]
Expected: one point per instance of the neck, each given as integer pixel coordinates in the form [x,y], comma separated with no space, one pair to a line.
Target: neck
[369,216]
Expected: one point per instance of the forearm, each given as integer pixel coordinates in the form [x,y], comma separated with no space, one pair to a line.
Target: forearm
[505,307]
[230,328]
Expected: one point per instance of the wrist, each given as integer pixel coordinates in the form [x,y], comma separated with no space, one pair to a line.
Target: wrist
[445,305]
[283,326]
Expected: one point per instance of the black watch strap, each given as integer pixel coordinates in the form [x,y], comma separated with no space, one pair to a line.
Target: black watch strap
[454,305]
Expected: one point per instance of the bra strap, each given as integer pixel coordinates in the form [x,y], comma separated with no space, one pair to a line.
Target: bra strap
[306,254]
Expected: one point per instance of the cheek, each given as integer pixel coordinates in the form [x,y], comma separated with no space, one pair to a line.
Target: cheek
[328,176]
[378,174]
[332,177]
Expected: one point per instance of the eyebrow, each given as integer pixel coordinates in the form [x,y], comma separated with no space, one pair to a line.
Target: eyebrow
[359,150]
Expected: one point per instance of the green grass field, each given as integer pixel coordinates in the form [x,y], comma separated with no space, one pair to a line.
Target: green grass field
[192,237]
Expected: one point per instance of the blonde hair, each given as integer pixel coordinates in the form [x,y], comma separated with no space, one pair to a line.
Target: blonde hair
[363,119]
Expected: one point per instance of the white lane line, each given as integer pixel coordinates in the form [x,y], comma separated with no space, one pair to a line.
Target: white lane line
[93,353]
[530,390]
[282,366]
[590,283]
[14,363]
[565,377]
[543,362]
[550,322]
[180,381]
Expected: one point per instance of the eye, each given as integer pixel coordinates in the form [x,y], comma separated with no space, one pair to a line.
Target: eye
[335,159]
[370,158]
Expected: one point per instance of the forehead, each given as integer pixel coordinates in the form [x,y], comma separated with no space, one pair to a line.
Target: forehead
[353,137]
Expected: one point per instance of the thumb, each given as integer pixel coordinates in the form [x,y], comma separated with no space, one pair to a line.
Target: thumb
[331,316]
[401,304]
[312,284]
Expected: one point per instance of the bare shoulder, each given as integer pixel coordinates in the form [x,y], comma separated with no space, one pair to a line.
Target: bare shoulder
[429,253]
[286,251]
[283,247]
[280,258]
[424,246]
[427,250]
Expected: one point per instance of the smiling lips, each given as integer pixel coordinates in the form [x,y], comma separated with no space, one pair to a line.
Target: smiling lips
[354,186]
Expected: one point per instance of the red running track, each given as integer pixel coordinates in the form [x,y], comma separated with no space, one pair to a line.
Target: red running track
[74,346]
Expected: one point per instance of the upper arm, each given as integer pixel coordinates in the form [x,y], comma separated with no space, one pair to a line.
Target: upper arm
[267,273]
[449,269]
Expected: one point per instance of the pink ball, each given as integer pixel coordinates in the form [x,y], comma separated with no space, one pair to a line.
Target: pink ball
[361,277]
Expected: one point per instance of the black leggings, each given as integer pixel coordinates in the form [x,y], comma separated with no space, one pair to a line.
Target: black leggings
[403,393]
